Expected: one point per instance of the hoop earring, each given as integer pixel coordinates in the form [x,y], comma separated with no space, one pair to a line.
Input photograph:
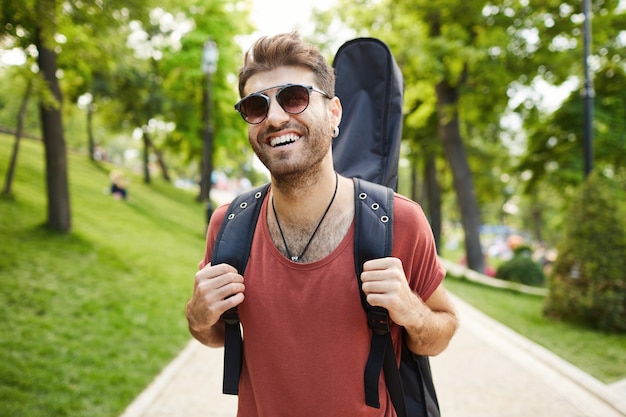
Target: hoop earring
[336,131]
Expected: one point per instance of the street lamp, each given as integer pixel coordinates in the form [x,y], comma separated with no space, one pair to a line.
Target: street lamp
[210,55]
[588,92]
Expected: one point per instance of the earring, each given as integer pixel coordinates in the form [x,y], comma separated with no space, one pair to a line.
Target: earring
[336,131]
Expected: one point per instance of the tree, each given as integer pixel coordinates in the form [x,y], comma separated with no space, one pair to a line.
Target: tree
[18,136]
[59,215]
[39,23]
[395,25]
[475,56]
[553,162]
[162,84]
[555,152]
[185,86]
[589,280]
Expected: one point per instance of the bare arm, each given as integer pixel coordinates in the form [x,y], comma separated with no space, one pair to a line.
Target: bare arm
[434,323]
[429,325]
[216,290]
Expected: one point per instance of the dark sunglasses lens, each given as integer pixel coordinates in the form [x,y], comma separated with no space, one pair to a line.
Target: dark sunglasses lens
[293,99]
[254,109]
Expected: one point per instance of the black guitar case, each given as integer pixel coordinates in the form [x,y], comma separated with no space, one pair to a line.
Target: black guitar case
[370,85]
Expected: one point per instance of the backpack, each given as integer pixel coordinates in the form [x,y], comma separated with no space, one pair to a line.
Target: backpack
[365,68]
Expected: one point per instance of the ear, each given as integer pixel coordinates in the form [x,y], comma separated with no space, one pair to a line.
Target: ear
[335,110]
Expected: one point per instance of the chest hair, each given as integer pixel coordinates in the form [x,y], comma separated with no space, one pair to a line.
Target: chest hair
[330,234]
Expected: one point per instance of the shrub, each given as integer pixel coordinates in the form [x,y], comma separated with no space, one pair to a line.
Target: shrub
[589,279]
[521,268]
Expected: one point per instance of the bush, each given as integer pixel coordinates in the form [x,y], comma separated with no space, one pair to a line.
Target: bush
[589,279]
[521,268]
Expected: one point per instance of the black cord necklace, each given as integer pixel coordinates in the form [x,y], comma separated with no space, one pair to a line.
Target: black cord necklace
[297,258]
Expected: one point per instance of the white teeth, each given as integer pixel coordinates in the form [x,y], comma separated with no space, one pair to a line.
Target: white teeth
[282,140]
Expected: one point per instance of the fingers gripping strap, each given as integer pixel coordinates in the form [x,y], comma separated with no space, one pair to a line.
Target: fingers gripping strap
[232,246]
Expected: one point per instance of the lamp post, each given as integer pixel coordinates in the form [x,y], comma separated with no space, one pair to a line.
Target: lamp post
[210,55]
[588,92]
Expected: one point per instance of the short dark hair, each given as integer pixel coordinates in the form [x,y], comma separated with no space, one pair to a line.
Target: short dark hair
[286,50]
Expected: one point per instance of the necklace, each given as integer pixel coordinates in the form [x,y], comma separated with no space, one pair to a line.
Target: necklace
[297,258]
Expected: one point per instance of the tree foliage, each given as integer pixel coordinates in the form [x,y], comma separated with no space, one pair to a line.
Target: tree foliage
[555,152]
[183,82]
[90,51]
[42,27]
[589,280]
[470,62]
[474,62]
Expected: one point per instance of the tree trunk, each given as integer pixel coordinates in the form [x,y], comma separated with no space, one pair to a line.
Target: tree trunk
[18,136]
[537,218]
[146,157]
[59,217]
[159,157]
[90,141]
[433,197]
[450,136]
[415,187]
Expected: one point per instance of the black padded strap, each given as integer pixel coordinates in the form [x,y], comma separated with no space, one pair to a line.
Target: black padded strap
[233,352]
[232,246]
[393,379]
[234,239]
[373,238]
[373,233]
[375,361]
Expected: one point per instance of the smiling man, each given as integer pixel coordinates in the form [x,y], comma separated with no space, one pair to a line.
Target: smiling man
[306,337]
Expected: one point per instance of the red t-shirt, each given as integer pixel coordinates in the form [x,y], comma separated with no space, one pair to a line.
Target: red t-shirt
[306,339]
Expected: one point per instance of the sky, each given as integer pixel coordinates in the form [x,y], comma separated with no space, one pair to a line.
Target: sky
[278,16]
[271,17]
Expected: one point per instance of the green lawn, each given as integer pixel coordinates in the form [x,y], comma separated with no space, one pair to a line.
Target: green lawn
[88,319]
[599,354]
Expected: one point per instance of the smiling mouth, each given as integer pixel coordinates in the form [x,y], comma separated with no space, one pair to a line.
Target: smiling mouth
[284,140]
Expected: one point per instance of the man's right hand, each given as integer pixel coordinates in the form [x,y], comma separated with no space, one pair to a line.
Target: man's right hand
[217,289]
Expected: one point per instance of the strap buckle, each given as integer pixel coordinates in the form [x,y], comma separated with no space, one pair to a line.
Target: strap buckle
[378,321]
[231,316]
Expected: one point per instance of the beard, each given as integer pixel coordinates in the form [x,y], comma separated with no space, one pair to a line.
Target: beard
[290,169]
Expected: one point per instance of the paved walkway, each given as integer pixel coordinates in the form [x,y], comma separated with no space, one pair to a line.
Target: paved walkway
[487,371]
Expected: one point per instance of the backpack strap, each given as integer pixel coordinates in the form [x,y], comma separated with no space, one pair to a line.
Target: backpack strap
[373,238]
[232,246]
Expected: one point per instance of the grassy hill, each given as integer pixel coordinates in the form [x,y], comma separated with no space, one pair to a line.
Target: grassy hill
[88,319]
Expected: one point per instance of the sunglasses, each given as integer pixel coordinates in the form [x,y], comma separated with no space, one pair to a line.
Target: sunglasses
[292,98]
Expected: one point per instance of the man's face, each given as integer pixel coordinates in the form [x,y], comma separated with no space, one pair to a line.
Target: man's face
[292,143]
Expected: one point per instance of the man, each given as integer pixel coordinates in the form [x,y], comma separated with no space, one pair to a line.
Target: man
[306,339]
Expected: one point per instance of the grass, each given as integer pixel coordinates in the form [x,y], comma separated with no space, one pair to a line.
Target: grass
[599,354]
[89,318]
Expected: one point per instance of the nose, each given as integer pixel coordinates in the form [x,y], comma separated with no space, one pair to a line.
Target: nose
[276,116]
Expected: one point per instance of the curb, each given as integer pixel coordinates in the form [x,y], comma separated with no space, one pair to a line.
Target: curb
[147,397]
